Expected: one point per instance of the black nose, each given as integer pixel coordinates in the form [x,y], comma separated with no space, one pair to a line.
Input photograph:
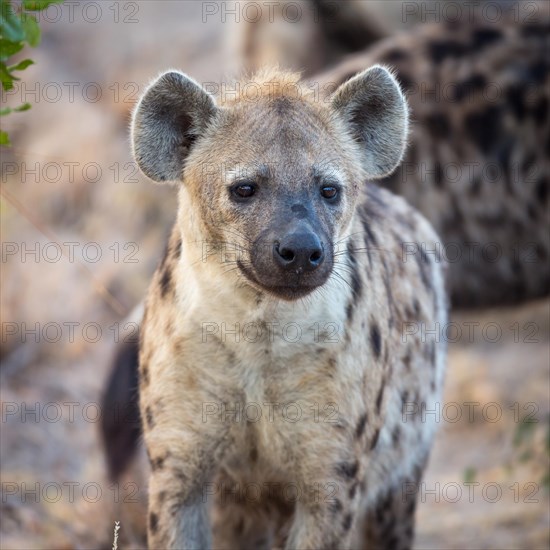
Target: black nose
[299,251]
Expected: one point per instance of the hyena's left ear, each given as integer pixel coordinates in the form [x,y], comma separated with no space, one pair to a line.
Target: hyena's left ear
[375,111]
[173,112]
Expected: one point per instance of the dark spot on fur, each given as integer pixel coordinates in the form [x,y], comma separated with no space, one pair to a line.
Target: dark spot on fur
[538,72]
[356,282]
[346,524]
[153,522]
[375,340]
[360,428]
[157,463]
[165,281]
[253,454]
[475,188]
[145,374]
[467,87]
[422,260]
[438,174]
[395,55]
[407,360]
[542,190]
[239,527]
[529,165]
[380,396]
[347,469]
[335,506]
[439,50]
[389,295]
[149,416]
[516,100]
[396,435]
[370,237]
[375,439]
[484,128]
[165,275]
[504,155]
[438,125]
[483,37]
[540,111]
[179,474]
[353,490]
[535,29]
[383,509]
[177,250]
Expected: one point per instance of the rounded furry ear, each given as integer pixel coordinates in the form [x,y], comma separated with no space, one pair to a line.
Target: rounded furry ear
[375,111]
[170,116]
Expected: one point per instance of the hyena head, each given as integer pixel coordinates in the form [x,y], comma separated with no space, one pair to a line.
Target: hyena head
[272,171]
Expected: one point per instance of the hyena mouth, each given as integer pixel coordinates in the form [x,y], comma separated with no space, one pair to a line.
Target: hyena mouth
[293,289]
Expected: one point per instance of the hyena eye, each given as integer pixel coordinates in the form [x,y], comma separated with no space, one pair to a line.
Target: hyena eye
[243,190]
[329,192]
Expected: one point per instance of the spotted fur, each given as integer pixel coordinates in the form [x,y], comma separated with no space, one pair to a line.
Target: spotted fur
[313,424]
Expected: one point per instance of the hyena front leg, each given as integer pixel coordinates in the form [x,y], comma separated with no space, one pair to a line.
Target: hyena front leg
[178,515]
[183,452]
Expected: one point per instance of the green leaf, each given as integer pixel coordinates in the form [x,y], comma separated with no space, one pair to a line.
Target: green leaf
[38,5]
[9,48]
[526,456]
[21,66]
[469,474]
[31,28]
[10,23]
[5,77]
[20,109]
[524,432]
[4,138]
[24,107]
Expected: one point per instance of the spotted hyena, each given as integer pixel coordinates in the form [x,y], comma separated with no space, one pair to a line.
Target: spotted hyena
[274,366]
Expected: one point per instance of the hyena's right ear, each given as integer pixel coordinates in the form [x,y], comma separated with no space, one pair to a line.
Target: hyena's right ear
[172,113]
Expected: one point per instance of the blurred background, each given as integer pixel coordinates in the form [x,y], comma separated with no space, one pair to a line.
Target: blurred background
[82,232]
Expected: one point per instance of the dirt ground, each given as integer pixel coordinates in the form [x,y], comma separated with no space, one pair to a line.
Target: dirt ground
[68,179]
